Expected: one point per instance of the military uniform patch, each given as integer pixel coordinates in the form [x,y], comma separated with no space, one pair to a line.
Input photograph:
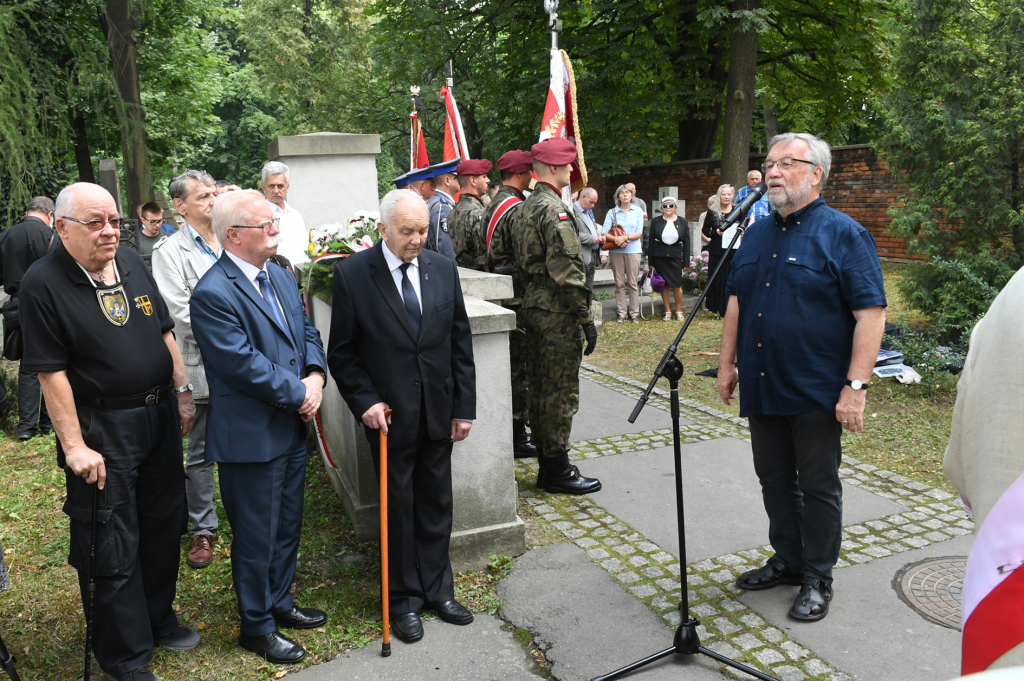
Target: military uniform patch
[444,224]
[142,302]
[563,216]
[114,305]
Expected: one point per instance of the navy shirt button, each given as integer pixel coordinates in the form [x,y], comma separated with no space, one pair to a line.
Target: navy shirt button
[783,229]
[293,362]
[762,373]
[768,284]
[758,345]
[775,255]
[758,314]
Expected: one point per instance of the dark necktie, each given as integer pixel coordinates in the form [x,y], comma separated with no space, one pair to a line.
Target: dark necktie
[268,295]
[412,303]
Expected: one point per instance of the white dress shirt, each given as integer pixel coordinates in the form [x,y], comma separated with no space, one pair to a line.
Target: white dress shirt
[251,272]
[294,237]
[669,235]
[394,263]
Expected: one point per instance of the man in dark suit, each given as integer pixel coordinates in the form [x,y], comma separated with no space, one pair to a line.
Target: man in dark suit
[400,340]
[264,363]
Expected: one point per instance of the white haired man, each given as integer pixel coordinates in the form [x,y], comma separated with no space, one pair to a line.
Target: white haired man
[264,361]
[805,317]
[294,240]
[120,402]
[179,262]
[399,296]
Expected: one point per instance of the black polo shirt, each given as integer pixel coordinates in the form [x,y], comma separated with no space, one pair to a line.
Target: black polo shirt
[20,247]
[108,338]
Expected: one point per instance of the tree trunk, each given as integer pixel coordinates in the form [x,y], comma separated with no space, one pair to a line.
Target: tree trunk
[83,157]
[121,21]
[698,133]
[307,29]
[739,101]
[771,123]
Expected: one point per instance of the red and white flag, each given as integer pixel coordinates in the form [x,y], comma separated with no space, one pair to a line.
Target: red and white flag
[454,137]
[418,148]
[993,595]
[560,119]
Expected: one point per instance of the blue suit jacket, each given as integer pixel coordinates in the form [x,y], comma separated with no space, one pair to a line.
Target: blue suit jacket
[255,381]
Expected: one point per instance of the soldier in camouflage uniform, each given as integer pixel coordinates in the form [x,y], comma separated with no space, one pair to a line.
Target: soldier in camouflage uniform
[466,222]
[556,313]
[516,171]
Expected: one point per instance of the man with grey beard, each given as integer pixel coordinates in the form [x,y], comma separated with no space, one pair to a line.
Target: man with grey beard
[805,318]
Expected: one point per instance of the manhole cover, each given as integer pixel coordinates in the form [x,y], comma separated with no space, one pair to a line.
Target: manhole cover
[932,587]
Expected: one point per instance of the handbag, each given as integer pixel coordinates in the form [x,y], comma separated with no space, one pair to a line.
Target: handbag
[616,230]
[657,282]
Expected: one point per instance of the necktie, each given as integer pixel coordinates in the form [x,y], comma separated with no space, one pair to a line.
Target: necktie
[412,304]
[268,294]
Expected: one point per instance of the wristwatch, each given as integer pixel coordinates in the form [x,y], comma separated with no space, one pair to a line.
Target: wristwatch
[857,385]
[187,388]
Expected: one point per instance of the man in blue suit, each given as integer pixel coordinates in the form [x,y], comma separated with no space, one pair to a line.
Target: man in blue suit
[264,363]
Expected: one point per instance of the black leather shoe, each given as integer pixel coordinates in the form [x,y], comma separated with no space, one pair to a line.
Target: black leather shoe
[811,604]
[302,618]
[561,477]
[771,575]
[182,639]
[454,612]
[522,447]
[408,627]
[273,647]
[140,674]
[24,437]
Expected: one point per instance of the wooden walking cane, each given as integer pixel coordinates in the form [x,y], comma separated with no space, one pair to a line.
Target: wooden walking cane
[385,650]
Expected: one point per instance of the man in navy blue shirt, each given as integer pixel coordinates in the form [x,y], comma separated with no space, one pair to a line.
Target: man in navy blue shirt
[805,320]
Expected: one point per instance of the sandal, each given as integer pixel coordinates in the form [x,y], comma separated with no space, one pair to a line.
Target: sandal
[668,316]
[620,320]
[680,316]
[635,320]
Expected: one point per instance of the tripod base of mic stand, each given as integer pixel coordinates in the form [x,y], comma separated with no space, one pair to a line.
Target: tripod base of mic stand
[686,642]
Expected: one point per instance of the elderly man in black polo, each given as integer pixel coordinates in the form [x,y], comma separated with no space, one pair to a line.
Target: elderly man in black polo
[120,402]
[805,318]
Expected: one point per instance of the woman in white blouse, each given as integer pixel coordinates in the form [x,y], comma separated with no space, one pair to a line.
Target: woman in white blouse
[670,243]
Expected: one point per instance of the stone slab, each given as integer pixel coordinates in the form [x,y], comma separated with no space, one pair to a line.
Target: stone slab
[485,285]
[722,496]
[869,632]
[485,317]
[587,623]
[322,144]
[482,651]
[604,412]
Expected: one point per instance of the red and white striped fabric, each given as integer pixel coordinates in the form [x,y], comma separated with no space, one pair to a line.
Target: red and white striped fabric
[454,137]
[993,594]
[419,145]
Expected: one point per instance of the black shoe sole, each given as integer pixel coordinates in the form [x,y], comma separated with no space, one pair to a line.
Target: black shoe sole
[810,618]
[309,625]
[523,455]
[553,489]
[406,639]
[274,658]
[784,581]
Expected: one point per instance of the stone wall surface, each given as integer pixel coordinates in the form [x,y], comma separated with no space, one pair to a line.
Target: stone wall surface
[860,185]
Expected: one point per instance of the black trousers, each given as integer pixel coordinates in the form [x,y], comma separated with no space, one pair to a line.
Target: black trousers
[263,502]
[142,517]
[797,460]
[32,416]
[419,520]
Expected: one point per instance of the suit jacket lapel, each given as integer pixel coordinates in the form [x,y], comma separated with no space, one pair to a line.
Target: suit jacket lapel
[386,284]
[426,292]
[247,288]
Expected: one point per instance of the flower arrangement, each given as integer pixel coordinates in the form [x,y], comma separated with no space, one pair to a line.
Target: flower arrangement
[359,234]
[697,271]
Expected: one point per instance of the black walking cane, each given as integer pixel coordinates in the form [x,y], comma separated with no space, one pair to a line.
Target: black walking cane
[7,662]
[92,581]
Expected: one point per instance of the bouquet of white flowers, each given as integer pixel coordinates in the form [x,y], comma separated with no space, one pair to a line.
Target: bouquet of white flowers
[329,242]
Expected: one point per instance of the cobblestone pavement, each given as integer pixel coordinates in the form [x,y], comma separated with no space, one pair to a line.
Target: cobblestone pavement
[651,574]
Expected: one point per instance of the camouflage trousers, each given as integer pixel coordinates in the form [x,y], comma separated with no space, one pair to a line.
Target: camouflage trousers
[554,346]
[520,381]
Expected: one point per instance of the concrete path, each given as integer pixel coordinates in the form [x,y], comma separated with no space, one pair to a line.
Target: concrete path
[604,412]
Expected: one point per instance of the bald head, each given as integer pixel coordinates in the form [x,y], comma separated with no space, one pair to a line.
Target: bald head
[87,202]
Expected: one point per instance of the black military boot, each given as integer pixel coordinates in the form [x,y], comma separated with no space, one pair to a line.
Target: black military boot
[561,477]
[522,448]
[542,469]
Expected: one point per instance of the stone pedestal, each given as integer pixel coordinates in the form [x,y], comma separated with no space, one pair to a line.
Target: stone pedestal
[485,520]
[332,174]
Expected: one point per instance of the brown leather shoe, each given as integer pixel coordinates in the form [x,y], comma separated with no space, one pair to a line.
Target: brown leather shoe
[201,554]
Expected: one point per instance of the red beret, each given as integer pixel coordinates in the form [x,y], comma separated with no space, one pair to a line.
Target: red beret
[475,166]
[516,161]
[557,151]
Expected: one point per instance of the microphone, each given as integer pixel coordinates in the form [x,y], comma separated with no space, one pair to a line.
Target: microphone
[741,210]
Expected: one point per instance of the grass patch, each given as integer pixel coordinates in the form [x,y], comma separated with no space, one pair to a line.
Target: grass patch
[906,427]
[41,616]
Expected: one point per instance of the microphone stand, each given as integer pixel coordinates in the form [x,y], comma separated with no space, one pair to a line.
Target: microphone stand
[686,640]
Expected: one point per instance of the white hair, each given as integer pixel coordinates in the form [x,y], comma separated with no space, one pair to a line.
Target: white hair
[232,208]
[67,200]
[587,191]
[818,151]
[755,170]
[274,168]
[390,202]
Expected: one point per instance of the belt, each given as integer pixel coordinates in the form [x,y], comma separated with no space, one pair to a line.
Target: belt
[146,399]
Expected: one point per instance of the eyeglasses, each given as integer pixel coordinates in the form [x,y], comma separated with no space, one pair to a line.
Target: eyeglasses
[783,163]
[264,226]
[97,225]
[154,221]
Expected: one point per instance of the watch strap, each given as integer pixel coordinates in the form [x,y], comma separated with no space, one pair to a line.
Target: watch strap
[863,386]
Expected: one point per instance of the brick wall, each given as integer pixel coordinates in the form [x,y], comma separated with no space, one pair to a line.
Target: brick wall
[859,185]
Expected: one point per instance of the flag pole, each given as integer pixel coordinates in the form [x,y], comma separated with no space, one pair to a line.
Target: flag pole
[414,90]
[554,23]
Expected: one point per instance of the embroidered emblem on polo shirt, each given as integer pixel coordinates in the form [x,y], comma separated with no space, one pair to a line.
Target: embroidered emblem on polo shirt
[142,302]
[114,305]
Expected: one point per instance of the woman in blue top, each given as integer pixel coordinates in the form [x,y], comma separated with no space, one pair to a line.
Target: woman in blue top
[625,258]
